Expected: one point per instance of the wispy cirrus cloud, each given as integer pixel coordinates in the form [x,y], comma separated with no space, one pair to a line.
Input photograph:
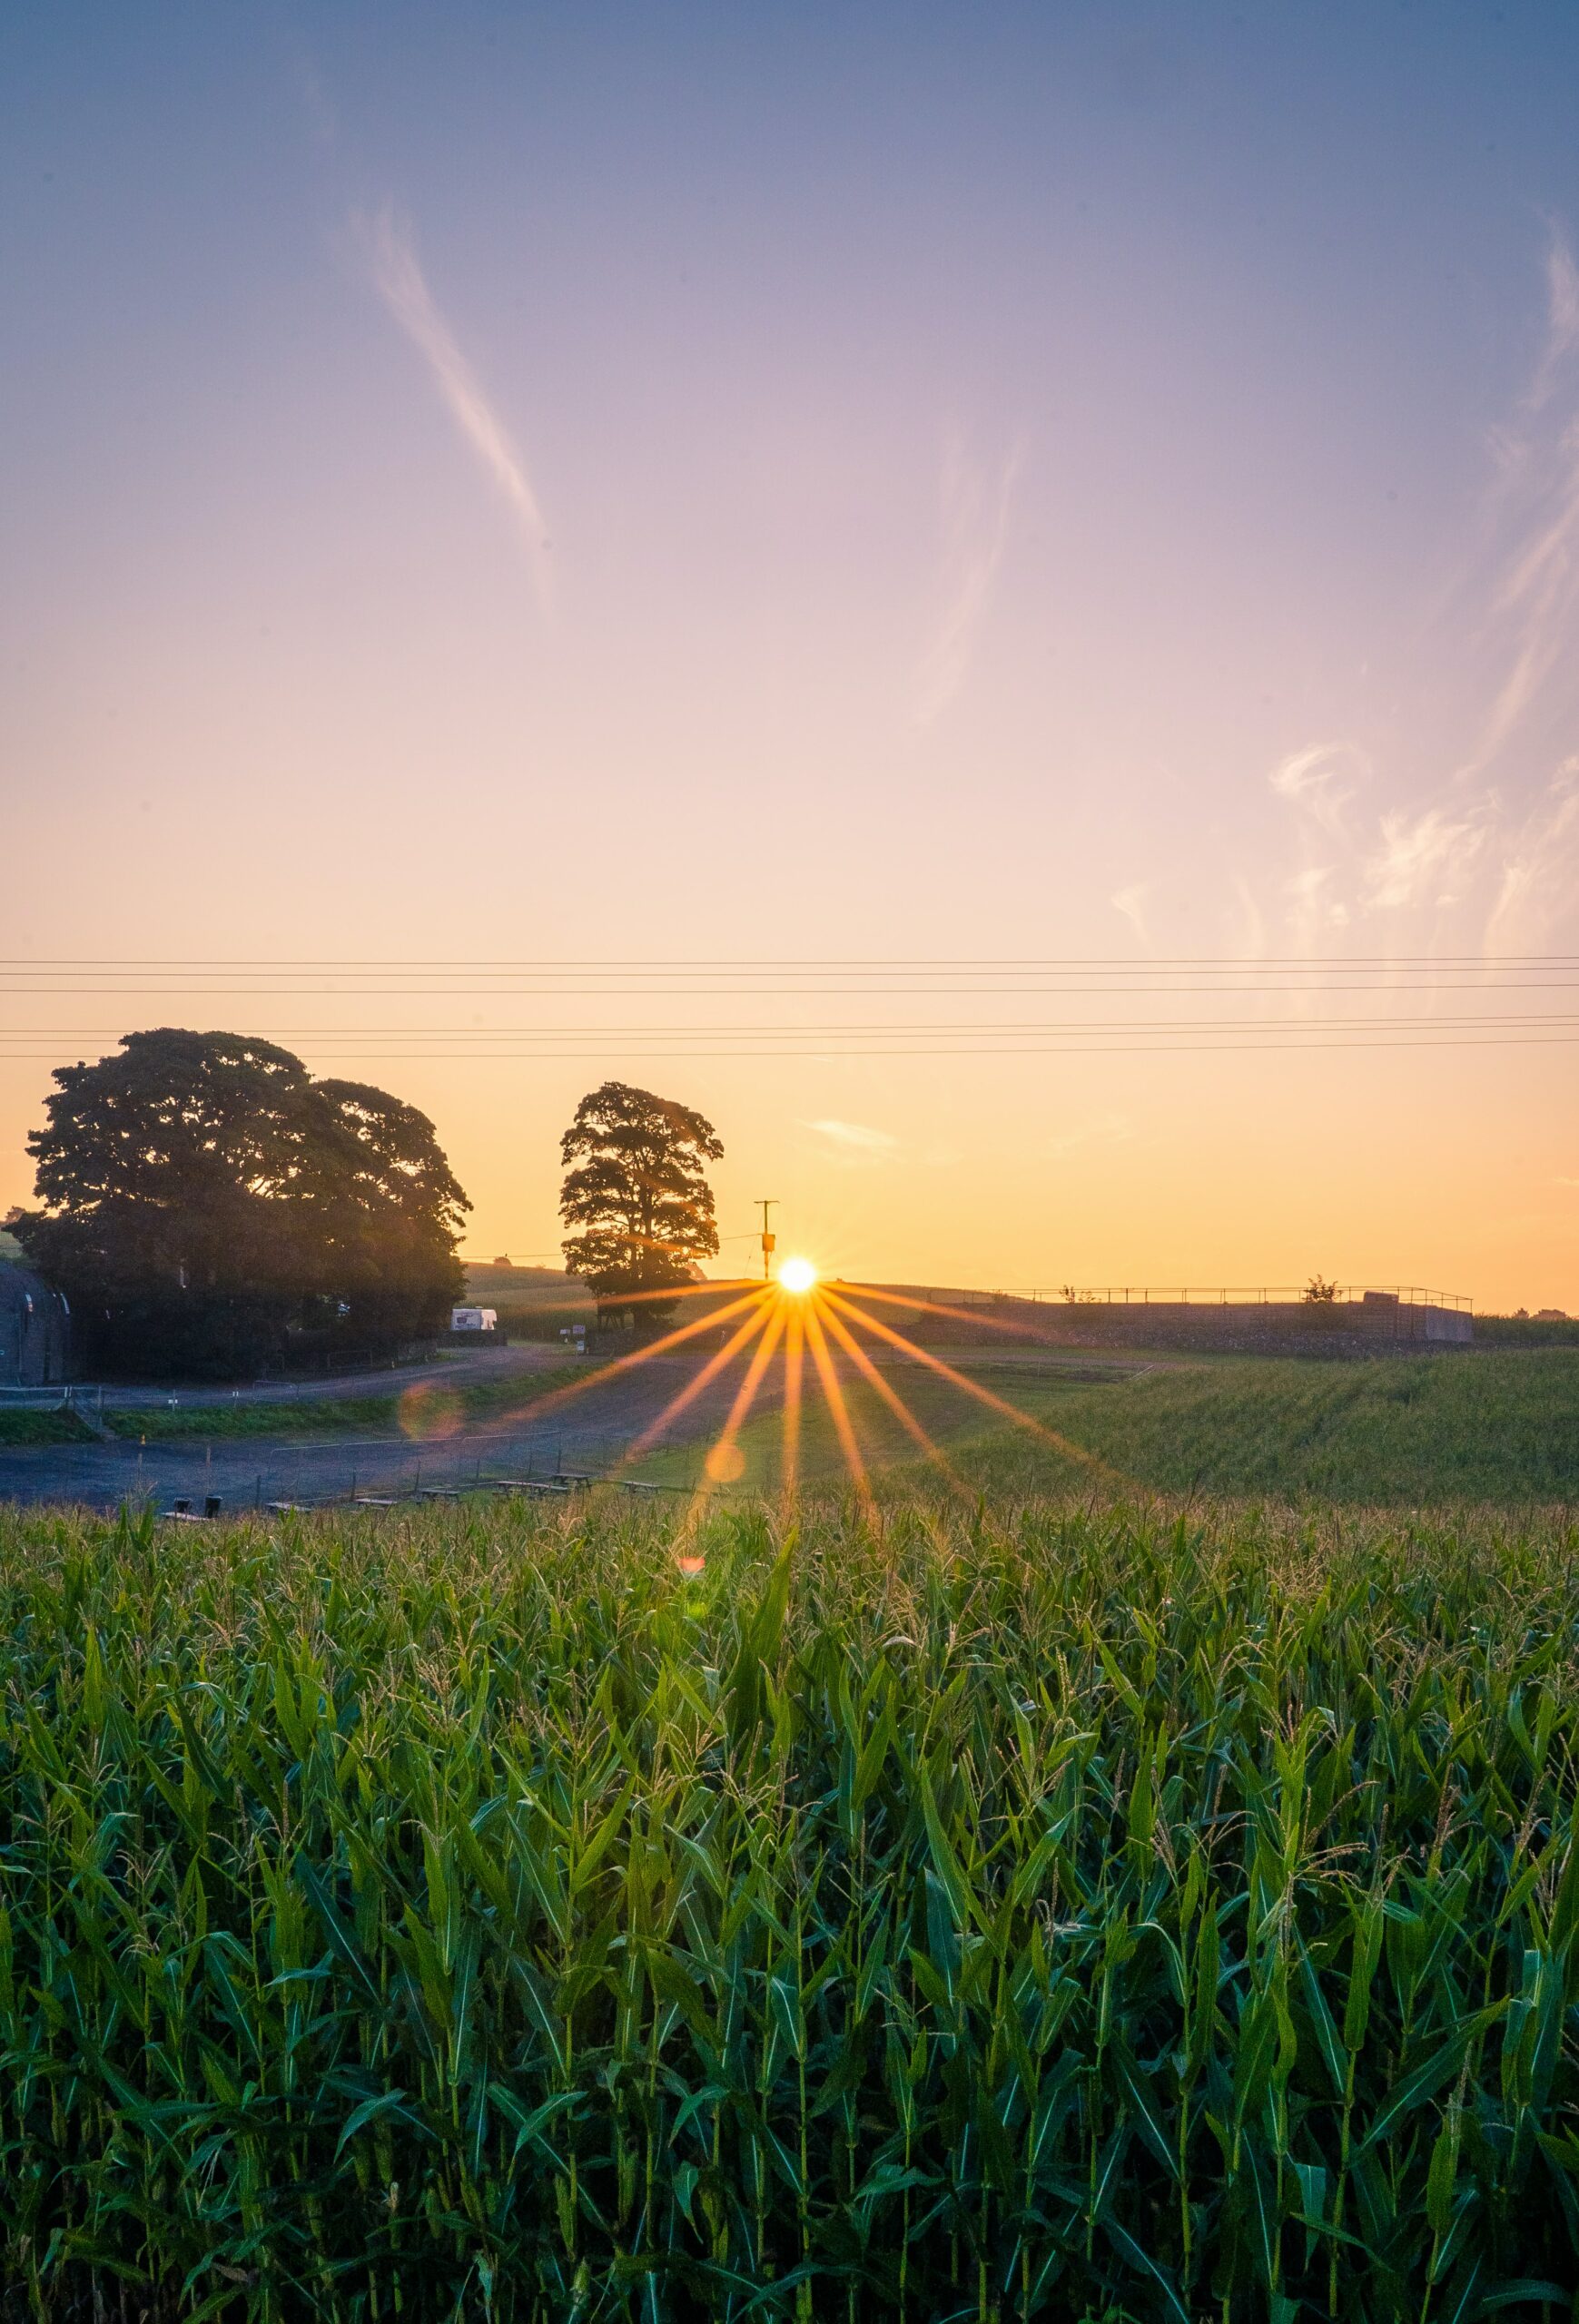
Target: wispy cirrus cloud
[1562,316]
[397,276]
[1318,784]
[1314,904]
[1539,868]
[1535,514]
[1129,903]
[1321,781]
[855,1141]
[976,504]
[1405,860]
[1539,596]
[1420,860]
[1099,1129]
[1483,832]
[1249,922]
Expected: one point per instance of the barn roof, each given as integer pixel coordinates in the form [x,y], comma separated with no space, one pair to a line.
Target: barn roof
[18,1285]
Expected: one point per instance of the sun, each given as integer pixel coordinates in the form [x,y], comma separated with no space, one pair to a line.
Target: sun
[796,1274]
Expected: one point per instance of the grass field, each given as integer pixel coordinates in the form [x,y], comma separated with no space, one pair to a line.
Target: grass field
[1489,1427]
[1025,1909]
[1498,1428]
[1527,1331]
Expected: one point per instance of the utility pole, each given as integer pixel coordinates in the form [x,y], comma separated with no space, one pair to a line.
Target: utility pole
[768,1240]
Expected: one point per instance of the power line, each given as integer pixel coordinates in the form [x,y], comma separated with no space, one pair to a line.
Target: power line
[875,963]
[800,1029]
[233,977]
[829,1050]
[1241,990]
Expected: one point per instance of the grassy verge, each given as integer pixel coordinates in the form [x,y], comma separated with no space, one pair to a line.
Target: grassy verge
[59,1427]
[1000,1912]
[428,1409]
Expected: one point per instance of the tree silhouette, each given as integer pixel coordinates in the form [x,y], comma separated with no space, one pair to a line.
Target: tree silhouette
[208,1203]
[634,1194]
[391,1210]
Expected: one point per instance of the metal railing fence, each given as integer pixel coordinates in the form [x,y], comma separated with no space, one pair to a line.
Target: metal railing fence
[1214,1296]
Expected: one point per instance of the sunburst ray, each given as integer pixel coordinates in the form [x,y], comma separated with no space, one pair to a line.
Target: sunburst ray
[693,1388]
[556,1398]
[712,1290]
[716,1469]
[794,1344]
[833,1397]
[972,1316]
[745,1394]
[891,1397]
[983,1396]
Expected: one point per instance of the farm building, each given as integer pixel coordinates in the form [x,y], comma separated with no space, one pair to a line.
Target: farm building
[34,1330]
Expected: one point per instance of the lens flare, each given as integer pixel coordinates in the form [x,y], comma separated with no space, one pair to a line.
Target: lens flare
[795,1317]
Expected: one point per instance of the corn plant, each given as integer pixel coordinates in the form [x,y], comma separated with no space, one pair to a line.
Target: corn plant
[1020,1910]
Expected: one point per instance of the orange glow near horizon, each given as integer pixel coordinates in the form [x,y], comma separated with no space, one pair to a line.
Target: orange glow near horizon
[766,1317]
[738,700]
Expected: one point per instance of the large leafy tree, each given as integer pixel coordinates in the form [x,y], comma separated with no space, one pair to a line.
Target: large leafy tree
[392,1209]
[206,1204]
[635,1196]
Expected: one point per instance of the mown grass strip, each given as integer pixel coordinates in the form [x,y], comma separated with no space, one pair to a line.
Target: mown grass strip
[431,1407]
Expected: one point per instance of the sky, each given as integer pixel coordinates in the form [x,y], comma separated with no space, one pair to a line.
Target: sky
[905,488]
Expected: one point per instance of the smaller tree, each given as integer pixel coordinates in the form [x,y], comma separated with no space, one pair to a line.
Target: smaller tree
[636,1197]
[1320,1293]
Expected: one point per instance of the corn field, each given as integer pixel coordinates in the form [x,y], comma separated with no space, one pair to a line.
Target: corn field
[1019,1911]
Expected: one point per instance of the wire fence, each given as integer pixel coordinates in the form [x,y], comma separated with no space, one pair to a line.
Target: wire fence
[60,1395]
[223,1477]
[1216,1295]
